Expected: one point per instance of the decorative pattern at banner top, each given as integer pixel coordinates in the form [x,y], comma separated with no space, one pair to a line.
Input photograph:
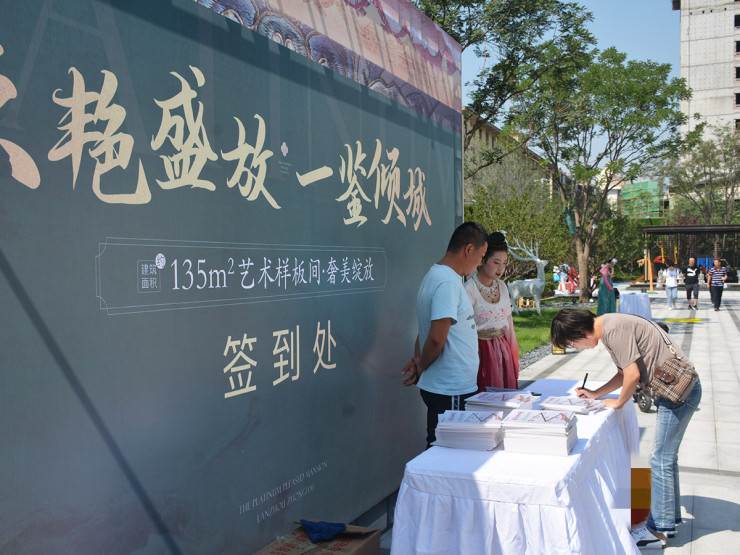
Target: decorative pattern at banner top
[389,47]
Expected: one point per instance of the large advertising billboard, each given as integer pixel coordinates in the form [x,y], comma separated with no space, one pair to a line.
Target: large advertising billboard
[210,245]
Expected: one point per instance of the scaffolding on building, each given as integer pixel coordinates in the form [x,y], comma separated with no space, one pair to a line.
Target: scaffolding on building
[643,200]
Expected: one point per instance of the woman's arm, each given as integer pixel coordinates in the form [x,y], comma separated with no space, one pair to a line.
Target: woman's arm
[608,387]
[627,379]
[630,379]
[606,276]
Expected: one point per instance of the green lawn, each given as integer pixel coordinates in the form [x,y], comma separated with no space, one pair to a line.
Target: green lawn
[533,330]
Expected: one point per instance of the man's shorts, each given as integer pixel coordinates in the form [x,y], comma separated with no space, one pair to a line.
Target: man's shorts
[693,287]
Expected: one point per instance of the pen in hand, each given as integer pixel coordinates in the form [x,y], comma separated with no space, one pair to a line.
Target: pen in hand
[584,381]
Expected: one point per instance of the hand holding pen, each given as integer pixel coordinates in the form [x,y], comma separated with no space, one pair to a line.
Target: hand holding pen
[584,393]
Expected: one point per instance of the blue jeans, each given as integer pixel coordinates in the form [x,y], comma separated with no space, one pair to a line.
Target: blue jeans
[665,498]
[671,293]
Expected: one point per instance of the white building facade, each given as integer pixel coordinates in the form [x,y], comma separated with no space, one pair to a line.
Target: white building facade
[710,60]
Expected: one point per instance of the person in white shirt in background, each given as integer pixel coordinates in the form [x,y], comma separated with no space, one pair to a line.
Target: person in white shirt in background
[670,281]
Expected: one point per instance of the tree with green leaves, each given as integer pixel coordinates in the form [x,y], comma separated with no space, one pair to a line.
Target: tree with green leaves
[620,237]
[519,174]
[531,217]
[706,177]
[520,41]
[597,125]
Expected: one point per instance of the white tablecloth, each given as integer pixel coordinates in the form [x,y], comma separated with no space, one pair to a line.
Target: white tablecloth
[635,303]
[478,502]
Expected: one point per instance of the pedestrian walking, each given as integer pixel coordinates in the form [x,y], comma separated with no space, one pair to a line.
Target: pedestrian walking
[607,297]
[691,275]
[670,282]
[716,283]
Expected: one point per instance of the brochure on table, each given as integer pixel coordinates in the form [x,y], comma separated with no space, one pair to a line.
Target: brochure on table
[477,430]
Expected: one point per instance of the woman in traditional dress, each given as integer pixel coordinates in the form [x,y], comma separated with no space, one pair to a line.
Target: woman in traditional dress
[607,298]
[497,345]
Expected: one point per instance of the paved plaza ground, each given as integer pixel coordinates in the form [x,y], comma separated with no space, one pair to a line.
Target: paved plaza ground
[709,457]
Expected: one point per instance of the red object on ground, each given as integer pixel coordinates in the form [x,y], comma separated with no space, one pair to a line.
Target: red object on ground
[640,495]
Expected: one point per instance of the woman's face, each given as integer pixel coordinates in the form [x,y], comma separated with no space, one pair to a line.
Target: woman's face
[588,342]
[495,266]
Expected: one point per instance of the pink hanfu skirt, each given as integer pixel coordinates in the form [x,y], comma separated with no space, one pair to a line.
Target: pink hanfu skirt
[497,367]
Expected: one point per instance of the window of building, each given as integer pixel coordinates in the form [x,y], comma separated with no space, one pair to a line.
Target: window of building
[737,47]
[480,134]
[737,99]
[737,125]
[737,20]
[737,72]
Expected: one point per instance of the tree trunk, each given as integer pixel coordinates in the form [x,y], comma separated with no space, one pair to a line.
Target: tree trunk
[716,246]
[584,279]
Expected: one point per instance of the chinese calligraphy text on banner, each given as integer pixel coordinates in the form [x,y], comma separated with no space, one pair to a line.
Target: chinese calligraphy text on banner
[210,248]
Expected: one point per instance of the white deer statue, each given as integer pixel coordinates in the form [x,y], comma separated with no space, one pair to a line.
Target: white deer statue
[528,287]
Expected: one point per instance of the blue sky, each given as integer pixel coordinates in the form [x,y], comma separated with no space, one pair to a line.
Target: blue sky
[643,29]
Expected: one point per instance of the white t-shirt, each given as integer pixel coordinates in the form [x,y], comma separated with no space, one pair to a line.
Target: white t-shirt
[671,277]
[441,295]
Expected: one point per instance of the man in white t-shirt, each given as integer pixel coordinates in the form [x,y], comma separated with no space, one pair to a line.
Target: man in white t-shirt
[445,362]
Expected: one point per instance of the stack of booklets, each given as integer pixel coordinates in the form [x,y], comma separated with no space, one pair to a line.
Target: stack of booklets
[477,430]
[500,400]
[545,432]
[575,404]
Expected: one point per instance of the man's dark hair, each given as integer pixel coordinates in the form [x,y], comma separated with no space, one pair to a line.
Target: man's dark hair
[571,324]
[469,232]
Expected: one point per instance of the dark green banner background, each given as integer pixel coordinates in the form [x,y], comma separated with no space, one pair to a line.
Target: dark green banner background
[196,370]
